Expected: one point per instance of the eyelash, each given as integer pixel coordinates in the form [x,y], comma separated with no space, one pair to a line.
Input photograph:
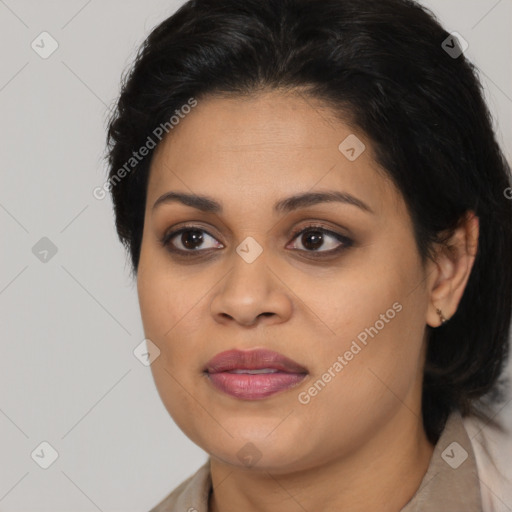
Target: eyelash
[345,241]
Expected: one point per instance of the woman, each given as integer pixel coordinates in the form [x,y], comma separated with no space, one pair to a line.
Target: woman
[314,204]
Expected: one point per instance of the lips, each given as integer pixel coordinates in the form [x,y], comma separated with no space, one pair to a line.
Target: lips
[254,374]
[252,360]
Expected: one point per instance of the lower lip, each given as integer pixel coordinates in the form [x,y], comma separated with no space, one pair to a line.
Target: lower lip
[248,386]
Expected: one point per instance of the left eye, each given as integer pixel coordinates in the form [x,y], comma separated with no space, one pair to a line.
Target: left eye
[312,238]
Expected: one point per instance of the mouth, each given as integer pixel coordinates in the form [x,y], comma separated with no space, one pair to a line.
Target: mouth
[254,374]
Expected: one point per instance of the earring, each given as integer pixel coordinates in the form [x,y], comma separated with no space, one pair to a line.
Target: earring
[441,316]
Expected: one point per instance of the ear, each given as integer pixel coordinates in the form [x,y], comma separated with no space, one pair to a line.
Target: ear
[451,269]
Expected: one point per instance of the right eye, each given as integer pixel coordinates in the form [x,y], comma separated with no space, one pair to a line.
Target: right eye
[188,239]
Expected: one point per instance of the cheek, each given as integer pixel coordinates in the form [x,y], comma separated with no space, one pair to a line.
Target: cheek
[351,299]
[166,295]
[173,315]
[153,304]
[360,384]
[178,399]
[169,310]
[375,315]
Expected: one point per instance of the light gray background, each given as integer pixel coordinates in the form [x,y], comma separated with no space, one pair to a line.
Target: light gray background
[68,374]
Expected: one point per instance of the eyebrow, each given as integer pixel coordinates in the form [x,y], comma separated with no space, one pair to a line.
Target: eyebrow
[288,204]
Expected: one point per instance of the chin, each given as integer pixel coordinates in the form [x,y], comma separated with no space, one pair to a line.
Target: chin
[260,452]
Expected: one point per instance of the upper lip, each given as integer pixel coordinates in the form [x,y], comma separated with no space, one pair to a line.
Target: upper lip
[252,360]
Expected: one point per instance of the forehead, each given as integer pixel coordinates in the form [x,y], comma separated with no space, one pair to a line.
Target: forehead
[263,146]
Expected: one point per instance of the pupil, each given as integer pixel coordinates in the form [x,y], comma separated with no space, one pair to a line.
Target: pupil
[312,239]
[195,237]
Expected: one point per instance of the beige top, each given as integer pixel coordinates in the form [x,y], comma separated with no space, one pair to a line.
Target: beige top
[450,484]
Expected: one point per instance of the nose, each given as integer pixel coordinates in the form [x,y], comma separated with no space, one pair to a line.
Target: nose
[251,293]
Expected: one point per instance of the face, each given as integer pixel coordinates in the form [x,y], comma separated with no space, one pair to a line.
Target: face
[336,286]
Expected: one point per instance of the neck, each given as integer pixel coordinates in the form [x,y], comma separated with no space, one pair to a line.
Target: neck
[364,480]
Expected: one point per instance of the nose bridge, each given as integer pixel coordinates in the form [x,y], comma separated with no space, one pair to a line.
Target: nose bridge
[248,280]
[250,288]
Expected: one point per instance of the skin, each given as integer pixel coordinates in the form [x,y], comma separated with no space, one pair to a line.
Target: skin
[365,425]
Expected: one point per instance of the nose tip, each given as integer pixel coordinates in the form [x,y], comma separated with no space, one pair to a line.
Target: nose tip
[251,294]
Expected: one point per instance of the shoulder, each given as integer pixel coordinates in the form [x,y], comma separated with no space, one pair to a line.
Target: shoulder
[191,495]
[492,449]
